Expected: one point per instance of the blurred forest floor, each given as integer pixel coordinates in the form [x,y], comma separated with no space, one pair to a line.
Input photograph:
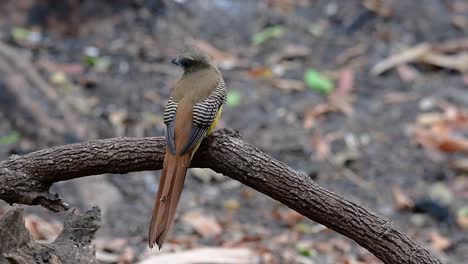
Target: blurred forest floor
[369,98]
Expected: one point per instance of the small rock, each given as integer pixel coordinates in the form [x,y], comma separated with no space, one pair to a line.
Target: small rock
[427,103]
[91,51]
[231,205]
[58,78]
[440,192]
[331,9]
[419,220]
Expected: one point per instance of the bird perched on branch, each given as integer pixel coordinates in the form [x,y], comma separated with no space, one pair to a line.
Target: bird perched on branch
[192,112]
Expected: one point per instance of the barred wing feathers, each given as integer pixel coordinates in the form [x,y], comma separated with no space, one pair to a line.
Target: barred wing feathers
[204,114]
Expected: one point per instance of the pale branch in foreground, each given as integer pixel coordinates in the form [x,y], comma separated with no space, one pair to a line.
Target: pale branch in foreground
[27,179]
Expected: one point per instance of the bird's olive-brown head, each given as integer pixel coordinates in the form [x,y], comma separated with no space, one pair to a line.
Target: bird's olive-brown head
[191,59]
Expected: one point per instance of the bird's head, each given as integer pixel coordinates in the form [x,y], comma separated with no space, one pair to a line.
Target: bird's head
[191,59]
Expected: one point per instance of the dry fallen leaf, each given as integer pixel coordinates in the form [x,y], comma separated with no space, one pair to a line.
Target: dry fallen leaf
[312,114]
[341,98]
[289,85]
[429,118]
[396,97]
[321,145]
[41,229]
[289,216]
[292,217]
[128,256]
[441,139]
[439,242]
[443,131]
[286,237]
[260,72]
[243,241]
[206,226]
[338,101]
[402,201]
[407,73]
[184,240]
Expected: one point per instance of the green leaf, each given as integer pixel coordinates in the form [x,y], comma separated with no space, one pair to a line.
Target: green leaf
[102,64]
[304,251]
[19,33]
[316,29]
[90,60]
[234,98]
[9,139]
[268,33]
[304,228]
[318,82]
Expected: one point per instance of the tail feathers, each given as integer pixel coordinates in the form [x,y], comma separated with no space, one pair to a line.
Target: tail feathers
[170,189]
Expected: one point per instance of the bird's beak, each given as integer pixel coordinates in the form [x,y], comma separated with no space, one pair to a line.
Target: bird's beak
[174,61]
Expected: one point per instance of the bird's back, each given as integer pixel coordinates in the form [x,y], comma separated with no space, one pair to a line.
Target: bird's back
[196,86]
[192,88]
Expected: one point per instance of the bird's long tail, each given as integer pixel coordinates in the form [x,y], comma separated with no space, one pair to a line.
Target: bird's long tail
[170,189]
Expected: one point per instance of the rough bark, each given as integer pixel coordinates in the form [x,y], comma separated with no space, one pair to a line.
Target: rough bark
[26,179]
[73,245]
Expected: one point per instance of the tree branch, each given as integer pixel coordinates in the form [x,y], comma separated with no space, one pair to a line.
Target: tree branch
[27,179]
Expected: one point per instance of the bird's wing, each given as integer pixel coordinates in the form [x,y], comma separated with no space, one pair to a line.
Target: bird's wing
[169,120]
[204,114]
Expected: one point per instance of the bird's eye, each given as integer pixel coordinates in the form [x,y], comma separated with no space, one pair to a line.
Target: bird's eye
[185,62]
